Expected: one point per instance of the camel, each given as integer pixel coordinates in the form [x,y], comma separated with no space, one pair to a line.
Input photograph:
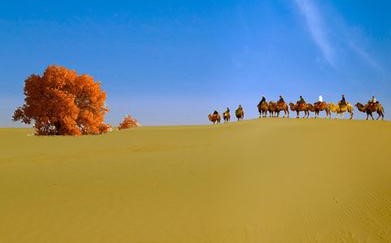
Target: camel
[263,108]
[310,108]
[214,118]
[369,108]
[239,113]
[321,106]
[340,109]
[272,108]
[300,107]
[282,106]
[226,116]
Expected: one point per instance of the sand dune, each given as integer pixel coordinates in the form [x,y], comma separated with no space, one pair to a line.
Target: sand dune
[270,180]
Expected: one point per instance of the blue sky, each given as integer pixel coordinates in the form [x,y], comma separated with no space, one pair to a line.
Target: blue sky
[173,62]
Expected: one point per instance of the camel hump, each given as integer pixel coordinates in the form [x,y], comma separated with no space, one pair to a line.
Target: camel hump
[302,105]
[281,104]
[343,104]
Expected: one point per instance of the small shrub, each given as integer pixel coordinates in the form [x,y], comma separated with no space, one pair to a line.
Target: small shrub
[128,122]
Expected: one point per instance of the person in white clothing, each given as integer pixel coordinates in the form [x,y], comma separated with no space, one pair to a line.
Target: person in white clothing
[320,99]
[372,100]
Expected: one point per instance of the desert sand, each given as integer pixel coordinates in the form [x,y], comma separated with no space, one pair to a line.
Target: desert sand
[264,180]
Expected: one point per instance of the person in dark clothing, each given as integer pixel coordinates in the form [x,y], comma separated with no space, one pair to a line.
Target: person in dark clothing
[215,113]
[262,100]
[281,100]
[301,100]
[342,101]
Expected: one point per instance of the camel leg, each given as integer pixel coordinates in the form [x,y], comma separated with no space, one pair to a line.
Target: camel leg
[297,112]
[371,116]
[380,115]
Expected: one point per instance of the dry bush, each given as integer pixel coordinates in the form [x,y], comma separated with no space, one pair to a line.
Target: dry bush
[128,122]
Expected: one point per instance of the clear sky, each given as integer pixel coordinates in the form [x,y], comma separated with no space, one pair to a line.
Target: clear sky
[175,61]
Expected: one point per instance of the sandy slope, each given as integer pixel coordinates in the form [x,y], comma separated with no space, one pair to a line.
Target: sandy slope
[254,181]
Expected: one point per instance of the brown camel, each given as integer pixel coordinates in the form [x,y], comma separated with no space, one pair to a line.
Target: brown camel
[263,108]
[239,113]
[370,108]
[214,118]
[310,108]
[282,106]
[272,108]
[226,116]
[298,108]
[340,109]
[321,106]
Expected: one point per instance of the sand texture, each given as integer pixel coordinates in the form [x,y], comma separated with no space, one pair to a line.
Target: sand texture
[265,180]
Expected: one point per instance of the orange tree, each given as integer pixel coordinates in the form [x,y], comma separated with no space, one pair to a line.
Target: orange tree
[61,102]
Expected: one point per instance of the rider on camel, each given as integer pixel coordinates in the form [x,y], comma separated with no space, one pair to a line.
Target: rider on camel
[281,100]
[372,100]
[342,101]
[301,100]
[320,100]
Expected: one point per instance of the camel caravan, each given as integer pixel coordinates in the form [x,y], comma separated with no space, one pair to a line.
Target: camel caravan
[215,116]
[273,109]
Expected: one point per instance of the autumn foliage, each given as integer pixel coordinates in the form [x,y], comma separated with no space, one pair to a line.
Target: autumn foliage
[128,122]
[61,102]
